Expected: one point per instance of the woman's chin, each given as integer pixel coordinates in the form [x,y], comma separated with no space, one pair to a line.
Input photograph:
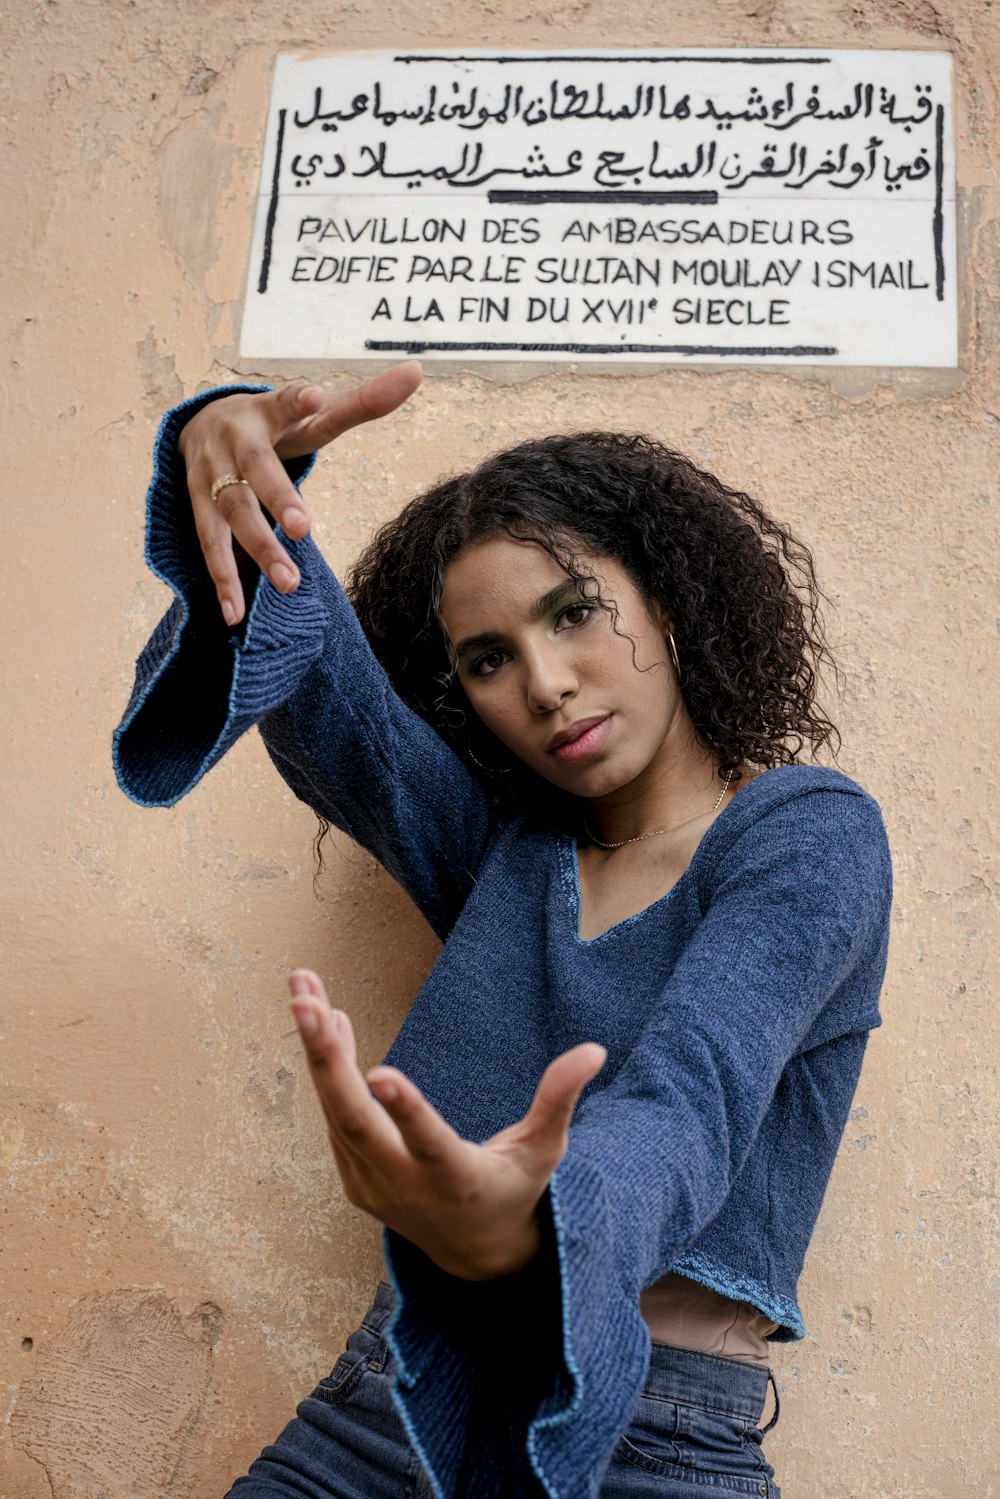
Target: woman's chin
[589,782]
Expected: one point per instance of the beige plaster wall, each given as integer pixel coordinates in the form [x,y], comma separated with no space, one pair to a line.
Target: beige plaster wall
[177,1265]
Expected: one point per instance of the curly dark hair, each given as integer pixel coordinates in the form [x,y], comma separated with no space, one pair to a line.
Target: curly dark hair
[739,588]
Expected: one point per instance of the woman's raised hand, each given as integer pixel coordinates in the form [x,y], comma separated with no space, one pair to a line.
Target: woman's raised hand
[470,1208]
[247,435]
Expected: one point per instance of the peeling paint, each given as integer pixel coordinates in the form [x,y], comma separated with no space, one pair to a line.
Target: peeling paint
[158,374]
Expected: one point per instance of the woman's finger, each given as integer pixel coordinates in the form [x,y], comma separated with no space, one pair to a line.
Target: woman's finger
[216,541]
[338,413]
[238,507]
[545,1127]
[236,512]
[255,459]
[216,524]
[360,1123]
[430,1140]
[290,415]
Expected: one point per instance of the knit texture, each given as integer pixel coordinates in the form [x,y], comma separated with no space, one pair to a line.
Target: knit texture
[231,689]
[735,1012]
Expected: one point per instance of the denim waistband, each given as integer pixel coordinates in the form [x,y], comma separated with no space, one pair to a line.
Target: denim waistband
[679,1374]
[692,1378]
[380,1310]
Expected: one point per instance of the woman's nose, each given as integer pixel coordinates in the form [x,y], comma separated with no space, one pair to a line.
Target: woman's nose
[550,681]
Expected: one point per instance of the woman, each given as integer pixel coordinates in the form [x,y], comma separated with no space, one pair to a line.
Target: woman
[568,728]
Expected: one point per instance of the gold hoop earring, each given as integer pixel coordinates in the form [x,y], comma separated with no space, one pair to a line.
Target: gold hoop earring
[673,653]
[489,770]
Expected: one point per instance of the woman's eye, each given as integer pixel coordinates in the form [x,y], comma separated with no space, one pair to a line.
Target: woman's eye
[575,614]
[485,666]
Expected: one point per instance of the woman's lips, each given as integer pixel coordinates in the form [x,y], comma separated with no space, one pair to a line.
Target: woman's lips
[588,743]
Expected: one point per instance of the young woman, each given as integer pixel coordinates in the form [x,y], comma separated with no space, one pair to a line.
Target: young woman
[565,712]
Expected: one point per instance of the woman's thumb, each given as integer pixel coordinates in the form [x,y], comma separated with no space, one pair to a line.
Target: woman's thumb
[548,1120]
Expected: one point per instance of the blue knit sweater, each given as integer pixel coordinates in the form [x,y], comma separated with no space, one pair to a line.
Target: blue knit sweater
[735,1012]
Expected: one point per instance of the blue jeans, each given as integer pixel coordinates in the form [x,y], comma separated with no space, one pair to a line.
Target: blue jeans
[693,1434]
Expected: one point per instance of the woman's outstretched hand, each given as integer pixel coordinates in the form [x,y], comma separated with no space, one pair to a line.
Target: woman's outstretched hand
[248,435]
[470,1208]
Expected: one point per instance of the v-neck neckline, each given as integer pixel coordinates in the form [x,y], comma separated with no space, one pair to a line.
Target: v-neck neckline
[569,850]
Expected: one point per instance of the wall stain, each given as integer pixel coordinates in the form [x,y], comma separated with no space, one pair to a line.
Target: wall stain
[201,79]
[113,1406]
[910,15]
[273,1100]
[158,374]
[194,177]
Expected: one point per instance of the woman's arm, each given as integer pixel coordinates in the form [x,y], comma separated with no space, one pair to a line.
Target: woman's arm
[788,956]
[301,668]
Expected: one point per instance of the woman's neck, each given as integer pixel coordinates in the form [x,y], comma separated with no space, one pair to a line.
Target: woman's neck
[680,785]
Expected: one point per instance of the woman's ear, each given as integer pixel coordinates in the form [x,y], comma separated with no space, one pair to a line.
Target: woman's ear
[663,619]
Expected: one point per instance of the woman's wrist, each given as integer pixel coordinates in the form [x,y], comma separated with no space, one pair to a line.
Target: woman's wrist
[495,1259]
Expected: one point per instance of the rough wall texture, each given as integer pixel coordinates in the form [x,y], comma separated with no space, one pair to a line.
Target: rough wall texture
[177,1263]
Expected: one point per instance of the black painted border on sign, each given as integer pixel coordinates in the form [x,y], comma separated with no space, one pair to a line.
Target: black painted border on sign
[939,201]
[416,346]
[272,207]
[541,57]
[708,196]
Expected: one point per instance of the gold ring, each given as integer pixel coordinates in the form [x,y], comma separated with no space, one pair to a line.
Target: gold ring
[224,483]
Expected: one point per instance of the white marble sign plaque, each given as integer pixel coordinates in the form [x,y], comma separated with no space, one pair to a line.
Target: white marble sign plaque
[785,206]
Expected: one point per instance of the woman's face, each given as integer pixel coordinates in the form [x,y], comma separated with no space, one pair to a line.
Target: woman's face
[588,705]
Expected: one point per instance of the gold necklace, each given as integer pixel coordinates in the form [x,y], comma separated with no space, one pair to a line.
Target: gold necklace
[640,836]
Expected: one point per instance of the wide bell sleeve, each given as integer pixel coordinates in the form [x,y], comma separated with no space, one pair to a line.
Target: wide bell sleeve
[789,952]
[302,670]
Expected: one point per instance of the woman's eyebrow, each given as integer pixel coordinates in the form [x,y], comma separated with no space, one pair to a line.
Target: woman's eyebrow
[538,611]
[555,596]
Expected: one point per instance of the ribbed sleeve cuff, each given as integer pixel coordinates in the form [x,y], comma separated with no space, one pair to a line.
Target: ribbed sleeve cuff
[605,1343]
[198,687]
[436,1358]
[522,1384]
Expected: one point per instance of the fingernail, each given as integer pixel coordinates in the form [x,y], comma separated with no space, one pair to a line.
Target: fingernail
[384,1087]
[298,983]
[339,1022]
[228,612]
[292,518]
[306,1019]
[281,576]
